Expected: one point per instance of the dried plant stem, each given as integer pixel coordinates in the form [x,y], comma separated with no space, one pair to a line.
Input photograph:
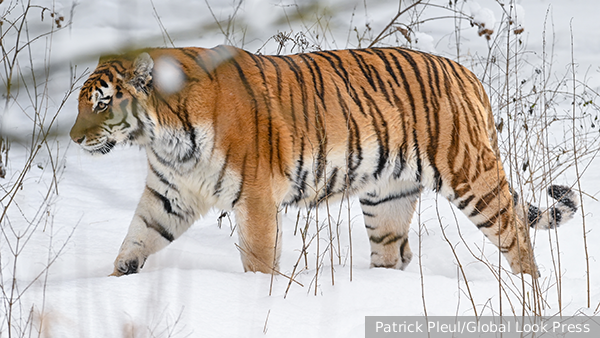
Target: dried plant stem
[383,31]
[452,247]
[245,252]
[422,277]
[555,262]
[275,257]
[330,231]
[164,31]
[317,263]
[575,154]
[350,234]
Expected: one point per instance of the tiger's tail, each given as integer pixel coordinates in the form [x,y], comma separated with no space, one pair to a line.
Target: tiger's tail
[561,211]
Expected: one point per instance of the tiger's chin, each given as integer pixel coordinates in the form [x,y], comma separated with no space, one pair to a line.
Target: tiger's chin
[101,149]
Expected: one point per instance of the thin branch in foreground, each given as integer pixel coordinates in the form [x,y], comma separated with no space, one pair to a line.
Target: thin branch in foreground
[575,154]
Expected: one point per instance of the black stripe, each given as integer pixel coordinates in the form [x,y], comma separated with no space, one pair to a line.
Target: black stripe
[218,185]
[379,239]
[462,205]
[320,131]
[563,195]
[115,64]
[293,110]
[507,248]
[386,239]
[163,161]
[330,184]
[158,228]
[390,198]
[386,62]
[190,131]
[241,188]
[485,201]
[434,131]
[556,215]
[454,147]
[278,76]
[300,80]
[461,86]
[259,62]
[354,156]
[381,131]
[403,248]
[492,220]
[317,77]
[431,151]
[363,66]
[399,164]
[377,77]
[340,70]
[283,168]
[166,203]
[161,177]
[419,165]
[246,84]
[393,239]
[197,58]
[300,176]
[331,181]
[382,87]
[411,100]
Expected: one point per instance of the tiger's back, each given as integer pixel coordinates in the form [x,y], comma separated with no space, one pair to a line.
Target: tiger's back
[364,115]
[253,133]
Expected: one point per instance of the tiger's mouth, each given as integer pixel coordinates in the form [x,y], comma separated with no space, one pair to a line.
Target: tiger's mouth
[101,149]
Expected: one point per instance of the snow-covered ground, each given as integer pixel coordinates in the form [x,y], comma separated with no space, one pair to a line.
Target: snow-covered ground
[196,287]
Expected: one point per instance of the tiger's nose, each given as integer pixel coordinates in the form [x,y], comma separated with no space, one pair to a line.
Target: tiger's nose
[78,139]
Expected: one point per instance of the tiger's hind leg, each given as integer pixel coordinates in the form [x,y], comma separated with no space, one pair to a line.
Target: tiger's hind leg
[489,204]
[387,219]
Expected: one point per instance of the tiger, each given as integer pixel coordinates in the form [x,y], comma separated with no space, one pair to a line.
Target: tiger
[251,134]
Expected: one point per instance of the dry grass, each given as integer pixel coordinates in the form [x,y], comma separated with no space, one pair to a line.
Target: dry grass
[25,88]
[528,106]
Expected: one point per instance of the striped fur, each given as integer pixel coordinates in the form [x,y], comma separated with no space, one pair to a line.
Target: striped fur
[224,128]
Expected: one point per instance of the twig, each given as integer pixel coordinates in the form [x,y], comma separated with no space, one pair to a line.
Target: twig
[270,267]
[266,322]
[378,37]
[575,154]
[162,27]
[452,247]
[422,277]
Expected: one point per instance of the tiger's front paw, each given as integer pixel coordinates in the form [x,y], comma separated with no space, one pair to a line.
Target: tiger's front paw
[128,264]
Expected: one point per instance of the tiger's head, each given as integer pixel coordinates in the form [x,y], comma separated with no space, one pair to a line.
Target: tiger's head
[111,102]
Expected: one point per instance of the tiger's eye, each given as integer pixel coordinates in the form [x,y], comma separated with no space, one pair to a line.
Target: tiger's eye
[101,106]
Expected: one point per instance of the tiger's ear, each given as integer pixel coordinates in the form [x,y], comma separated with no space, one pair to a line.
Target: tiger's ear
[142,73]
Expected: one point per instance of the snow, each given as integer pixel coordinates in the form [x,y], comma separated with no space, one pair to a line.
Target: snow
[483,18]
[424,42]
[196,286]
